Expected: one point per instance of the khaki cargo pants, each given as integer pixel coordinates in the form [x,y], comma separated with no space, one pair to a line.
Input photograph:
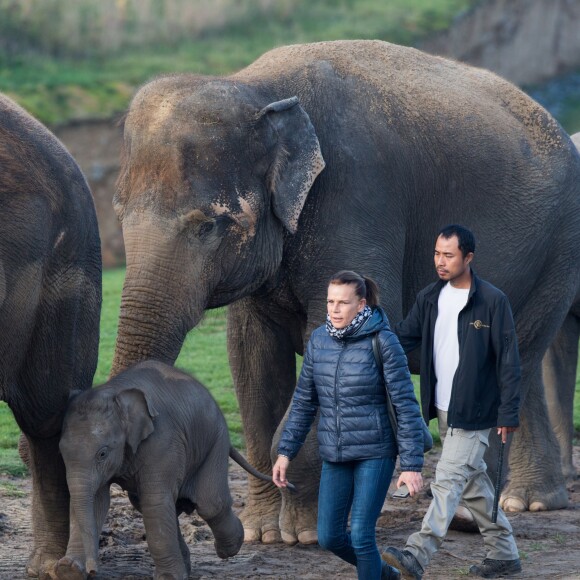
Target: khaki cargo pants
[461,477]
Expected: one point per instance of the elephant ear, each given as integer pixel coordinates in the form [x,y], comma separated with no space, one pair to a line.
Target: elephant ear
[297,162]
[137,414]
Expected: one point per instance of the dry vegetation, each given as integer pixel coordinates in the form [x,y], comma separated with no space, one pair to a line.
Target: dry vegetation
[101,27]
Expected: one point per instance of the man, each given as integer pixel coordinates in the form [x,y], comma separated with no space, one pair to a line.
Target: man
[470,381]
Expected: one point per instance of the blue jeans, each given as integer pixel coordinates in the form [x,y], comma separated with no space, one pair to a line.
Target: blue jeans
[358,487]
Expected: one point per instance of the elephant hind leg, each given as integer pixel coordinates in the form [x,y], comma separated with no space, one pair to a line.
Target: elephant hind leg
[559,372]
[536,482]
[213,500]
[228,533]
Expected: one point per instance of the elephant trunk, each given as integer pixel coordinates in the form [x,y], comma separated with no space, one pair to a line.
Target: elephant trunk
[83,505]
[150,327]
[161,300]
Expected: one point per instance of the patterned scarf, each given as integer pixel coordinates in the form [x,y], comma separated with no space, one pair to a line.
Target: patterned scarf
[356,323]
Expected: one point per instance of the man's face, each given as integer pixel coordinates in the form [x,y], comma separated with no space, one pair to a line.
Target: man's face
[449,261]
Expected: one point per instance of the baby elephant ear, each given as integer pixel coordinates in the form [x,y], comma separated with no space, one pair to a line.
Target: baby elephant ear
[297,159]
[137,413]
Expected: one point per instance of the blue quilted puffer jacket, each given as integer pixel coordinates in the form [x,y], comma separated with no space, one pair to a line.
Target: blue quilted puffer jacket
[340,378]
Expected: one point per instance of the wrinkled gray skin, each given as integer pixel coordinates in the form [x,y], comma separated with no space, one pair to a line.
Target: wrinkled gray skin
[223,201]
[160,435]
[559,372]
[50,301]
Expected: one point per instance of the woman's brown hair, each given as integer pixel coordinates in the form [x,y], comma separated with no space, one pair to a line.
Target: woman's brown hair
[364,287]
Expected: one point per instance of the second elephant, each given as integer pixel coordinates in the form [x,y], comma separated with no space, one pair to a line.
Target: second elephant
[160,435]
[253,189]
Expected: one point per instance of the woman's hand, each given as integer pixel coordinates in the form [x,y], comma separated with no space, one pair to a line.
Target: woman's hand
[413,480]
[279,471]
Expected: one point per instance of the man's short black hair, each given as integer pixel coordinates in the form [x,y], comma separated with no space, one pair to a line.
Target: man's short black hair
[465,237]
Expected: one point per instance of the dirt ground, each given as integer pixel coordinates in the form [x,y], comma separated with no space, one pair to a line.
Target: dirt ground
[549,542]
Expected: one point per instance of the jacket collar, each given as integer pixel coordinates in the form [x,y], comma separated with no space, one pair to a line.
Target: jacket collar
[433,294]
[376,322]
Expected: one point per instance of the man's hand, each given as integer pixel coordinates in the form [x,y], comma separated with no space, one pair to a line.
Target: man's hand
[279,471]
[413,480]
[503,431]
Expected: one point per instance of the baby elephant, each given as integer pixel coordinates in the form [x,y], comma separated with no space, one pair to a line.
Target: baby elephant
[160,435]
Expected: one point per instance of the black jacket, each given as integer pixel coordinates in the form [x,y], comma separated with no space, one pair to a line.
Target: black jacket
[486,386]
[340,377]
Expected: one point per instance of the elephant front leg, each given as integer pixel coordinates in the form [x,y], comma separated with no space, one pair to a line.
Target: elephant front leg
[163,535]
[536,482]
[262,345]
[50,506]
[299,512]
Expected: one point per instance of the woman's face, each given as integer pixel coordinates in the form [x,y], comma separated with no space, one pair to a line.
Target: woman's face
[343,304]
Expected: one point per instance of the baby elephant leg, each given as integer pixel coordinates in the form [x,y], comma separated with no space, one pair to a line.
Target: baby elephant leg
[228,532]
[213,503]
[163,535]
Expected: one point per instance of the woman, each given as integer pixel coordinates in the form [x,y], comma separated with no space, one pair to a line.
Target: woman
[340,378]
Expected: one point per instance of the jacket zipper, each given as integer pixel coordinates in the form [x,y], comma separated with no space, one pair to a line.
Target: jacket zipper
[336,406]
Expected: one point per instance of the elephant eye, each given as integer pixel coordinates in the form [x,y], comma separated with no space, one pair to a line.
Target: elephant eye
[206,227]
[102,453]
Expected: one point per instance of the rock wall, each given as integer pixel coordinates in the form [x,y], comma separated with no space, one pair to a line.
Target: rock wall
[525,41]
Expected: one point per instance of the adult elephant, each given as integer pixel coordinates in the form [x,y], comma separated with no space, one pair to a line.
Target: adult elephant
[221,204]
[50,300]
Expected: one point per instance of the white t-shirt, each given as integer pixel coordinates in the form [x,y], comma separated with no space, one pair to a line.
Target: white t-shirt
[445,342]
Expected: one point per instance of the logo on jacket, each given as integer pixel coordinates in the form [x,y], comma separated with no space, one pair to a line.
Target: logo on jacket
[478,325]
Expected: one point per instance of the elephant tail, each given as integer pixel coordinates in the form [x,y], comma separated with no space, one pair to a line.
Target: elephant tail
[243,462]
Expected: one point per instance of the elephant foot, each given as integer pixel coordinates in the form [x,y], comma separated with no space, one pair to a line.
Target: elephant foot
[41,564]
[304,537]
[518,499]
[298,523]
[70,569]
[260,522]
[463,521]
[228,534]
[227,550]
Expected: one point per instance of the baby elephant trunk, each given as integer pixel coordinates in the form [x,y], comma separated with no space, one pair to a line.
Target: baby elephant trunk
[243,462]
[84,508]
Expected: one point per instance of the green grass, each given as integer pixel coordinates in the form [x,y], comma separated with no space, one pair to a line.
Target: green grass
[99,85]
[10,462]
